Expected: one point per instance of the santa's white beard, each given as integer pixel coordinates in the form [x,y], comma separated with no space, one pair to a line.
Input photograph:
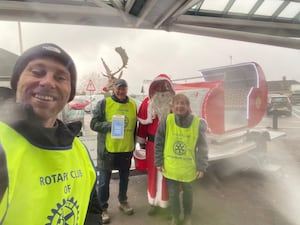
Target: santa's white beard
[160,104]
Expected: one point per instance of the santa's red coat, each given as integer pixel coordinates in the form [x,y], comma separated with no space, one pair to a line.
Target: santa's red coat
[157,188]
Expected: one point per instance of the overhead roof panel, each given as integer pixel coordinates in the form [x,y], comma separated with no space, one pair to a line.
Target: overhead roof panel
[275,22]
[268,8]
[217,5]
[242,6]
[290,11]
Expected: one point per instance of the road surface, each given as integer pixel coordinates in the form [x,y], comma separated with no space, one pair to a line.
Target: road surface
[241,191]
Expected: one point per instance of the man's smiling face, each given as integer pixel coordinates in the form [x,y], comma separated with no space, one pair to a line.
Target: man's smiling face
[45,84]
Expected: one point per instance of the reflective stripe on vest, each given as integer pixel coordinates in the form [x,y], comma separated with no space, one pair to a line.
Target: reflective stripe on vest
[125,144]
[179,151]
[46,185]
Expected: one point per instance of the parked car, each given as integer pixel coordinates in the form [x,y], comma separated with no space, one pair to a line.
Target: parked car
[280,104]
[78,104]
[94,99]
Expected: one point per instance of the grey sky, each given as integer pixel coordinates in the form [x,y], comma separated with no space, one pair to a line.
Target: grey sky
[150,52]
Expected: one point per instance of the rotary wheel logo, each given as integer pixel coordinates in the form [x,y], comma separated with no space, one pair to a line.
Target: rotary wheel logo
[65,213]
[179,148]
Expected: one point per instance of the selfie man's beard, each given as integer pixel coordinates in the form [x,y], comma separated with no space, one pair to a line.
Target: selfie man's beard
[160,104]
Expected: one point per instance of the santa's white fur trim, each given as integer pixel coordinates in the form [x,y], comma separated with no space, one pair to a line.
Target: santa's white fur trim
[157,200]
[149,118]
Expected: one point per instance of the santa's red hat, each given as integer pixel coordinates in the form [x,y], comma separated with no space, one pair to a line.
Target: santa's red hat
[161,83]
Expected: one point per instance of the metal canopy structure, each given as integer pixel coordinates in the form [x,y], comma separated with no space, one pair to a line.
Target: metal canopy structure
[271,22]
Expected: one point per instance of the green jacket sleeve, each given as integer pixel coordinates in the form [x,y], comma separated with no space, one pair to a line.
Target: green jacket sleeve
[159,143]
[98,122]
[201,153]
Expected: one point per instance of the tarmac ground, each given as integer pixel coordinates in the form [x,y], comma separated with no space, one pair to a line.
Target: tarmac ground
[245,194]
[239,191]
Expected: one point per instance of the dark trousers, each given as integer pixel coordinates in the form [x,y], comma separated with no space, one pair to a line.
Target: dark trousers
[94,210]
[104,181]
[174,189]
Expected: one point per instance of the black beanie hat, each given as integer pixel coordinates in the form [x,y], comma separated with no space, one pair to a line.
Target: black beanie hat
[46,50]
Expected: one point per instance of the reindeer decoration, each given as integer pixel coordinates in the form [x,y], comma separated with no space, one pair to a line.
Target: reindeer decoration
[111,75]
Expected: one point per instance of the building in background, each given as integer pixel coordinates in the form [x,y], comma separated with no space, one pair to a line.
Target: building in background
[7,62]
[281,86]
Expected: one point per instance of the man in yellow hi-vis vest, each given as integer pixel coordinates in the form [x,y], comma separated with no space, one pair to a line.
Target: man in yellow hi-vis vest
[181,154]
[46,174]
[115,120]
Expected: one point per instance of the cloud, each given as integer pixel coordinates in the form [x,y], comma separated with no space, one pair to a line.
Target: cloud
[150,52]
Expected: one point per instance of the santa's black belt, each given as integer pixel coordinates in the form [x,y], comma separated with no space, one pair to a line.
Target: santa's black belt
[151,138]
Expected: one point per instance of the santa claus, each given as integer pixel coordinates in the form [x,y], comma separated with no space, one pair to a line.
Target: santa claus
[153,108]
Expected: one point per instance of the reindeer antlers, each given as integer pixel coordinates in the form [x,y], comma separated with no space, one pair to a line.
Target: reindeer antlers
[124,58]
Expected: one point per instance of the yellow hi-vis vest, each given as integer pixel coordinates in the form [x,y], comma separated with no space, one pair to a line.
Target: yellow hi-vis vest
[179,151]
[125,144]
[46,186]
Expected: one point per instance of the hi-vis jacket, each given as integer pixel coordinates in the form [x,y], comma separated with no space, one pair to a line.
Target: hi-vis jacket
[181,147]
[179,153]
[102,124]
[128,110]
[43,180]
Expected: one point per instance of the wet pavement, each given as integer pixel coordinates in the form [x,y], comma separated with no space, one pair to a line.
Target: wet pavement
[238,191]
[248,193]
